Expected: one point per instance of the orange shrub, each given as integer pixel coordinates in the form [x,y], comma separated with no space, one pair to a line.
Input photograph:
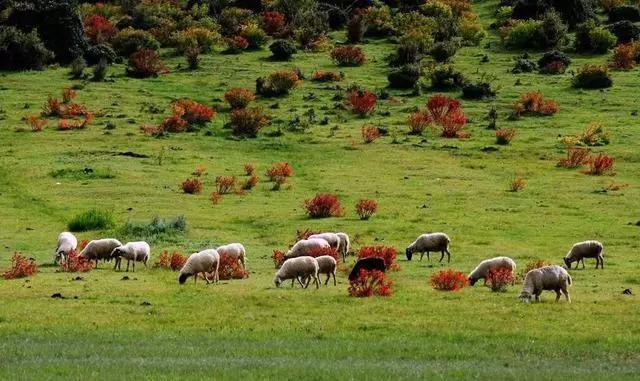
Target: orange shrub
[348,56]
[230,268]
[21,267]
[68,94]
[361,102]
[280,169]
[505,135]
[533,103]
[448,280]
[225,184]
[239,97]
[193,112]
[278,258]
[625,56]
[326,76]
[215,198]
[273,22]
[75,263]
[250,183]
[145,63]
[173,261]
[419,121]
[249,168]
[192,186]
[366,208]
[576,157]
[247,121]
[35,123]
[369,133]
[518,184]
[323,205]
[601,165]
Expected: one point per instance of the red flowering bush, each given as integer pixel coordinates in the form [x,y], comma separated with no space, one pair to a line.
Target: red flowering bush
[75,263]
[447,113]
[236,44]
[225,184]
[369,134]
[230,268]
[53,107]
[499,279]
[370,283]
[193,112]
[239,97]
[361,102]
[505,135]
[273,22]
[348,56]
[35,123]
[387,253]
[99,29]
[21,267]
[146,63]
[173,261]
[192,186]
[250,183]
[278,258]
[215,198]
[601,165]
[174,123]
[323,205]
[326,76]
[247,121]
[576,157]
[419,121]
[448,280]
[68,94]
[279,169]
[533,103]
[366,208]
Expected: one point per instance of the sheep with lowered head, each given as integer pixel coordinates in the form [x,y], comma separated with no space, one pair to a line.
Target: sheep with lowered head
[99,249]
[482,270]
[305,246]
[332,238]
[345,245]
[429,242]
[131,251]
[204,262]
[296,269]
[551,278]
[67,242]
[368,264]
[586,249]
[234,250]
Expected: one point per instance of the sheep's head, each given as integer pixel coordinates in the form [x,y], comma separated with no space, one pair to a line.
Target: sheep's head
[567,262]
[183,277]
[277,281]
[525,297]
[409,253]
[58,256]
[115,253]
[472,281]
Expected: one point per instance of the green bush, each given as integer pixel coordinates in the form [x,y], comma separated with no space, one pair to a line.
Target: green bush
[523,35]
[282,49]
[130,40]
[443,51]
[93,219]
[157,229]
[255,36]
[553,32]
[19,50]
[404,77]
[592,76]
[201,39]
[601,40]
[446,78]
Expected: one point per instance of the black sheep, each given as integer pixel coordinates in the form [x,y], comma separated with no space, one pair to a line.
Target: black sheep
[371,263]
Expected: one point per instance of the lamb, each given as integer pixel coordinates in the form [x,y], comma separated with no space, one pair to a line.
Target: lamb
[371,263]
[586,249]
[131,251]
[430,242]
[482,270]
[303,247]
[553,278]
[100,249]
[235,250]
[327,265]
[345,245]
[67,243]
[298,268]
[203,262]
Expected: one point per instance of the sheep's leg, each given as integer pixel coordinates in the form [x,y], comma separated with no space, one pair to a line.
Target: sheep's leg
[96,264]
[317,280]
[128,263]
[334,279]
[134,266]
[601,262]
[566,295]
[326,282]
[422,255]
[582,263]
[557,295]
[145,263]
[537,297]
[195,278]
[292,280]
[299,281]
[448,255]
[441,256]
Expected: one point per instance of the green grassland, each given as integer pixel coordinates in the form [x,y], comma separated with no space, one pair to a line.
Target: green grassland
[248,329]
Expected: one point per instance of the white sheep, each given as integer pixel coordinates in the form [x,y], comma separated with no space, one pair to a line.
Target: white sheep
[586,249]
[345,245]
[327,265]
[332,238]
[482,270]
[552,278]
[235,250]
[296,269]
[131,251]
[203,262]
[67,242]
[303,247]
[430,242]
[99,249]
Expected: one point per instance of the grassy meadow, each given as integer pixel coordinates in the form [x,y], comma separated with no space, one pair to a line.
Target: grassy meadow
[109,328]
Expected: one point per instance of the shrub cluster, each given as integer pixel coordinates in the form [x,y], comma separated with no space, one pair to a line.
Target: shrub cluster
[278,83]
[239,97]
[348,56]
[369,133]
[247,121]
[592,76]
[323,205]
[192,185]
[534,103]
[441,111]
[75,263]
[93,219]
[173,261]
[370,283]
[21,267]
[448,280]
[499,279]
[22,51]
[230,268]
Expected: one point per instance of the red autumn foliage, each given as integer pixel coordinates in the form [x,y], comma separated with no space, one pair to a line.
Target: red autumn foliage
[326,76]
[200,170]
[215,198]
[237,44]
[361,102]
[173,261]
[370,283]
[192,186]
[273,22]
[498,279]
[249,169]
[225,184]
[447,113]
[68,94]
[517,184]
[247,121]
[387,253]
[35,123]
[601,165]
[625,56]
[250,183]
[75,124]
[533,103]
[75,263]
[419,121]
[193,112]
[174,123]
[239,97]
[278,258]
[369,134]
[98,29]
[448,280]
[505,135]
[21,267]
[576,157]
[366,208]
[146,63]
[440,106]
[323,205]
[348,55]
[280,169]
[53,107]
[230,268]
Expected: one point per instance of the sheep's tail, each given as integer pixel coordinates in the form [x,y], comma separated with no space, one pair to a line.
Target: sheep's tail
[183,278]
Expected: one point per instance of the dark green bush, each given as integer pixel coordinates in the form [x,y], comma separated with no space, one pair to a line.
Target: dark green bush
[282,49]
[553,32]
[404,77]
[624,12]
[553,62]
[157,229]
[445,78]
[407,53]
[592,76]
[479,90]
[523,65]
[93,219]
[129,41]
[19,50]
[99,52]
[593,38]
[625,31]
[444,50]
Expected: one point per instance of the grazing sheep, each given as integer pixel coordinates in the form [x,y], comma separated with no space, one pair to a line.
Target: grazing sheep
[99,249]
[552,278]
[482,270]
[332,238]
[303,247]
[67,243]
[345,245]
[235,250]
[131,251]
[327,265]
[371,263]
[430,242]
[586,249]
[296,269]
[203,262]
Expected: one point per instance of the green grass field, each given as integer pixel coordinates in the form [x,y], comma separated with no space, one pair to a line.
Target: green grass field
[248,329]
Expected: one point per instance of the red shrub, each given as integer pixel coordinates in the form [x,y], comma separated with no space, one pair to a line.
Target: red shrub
[361,102]
[173,261]
[98,29]
[320,251]
[323,205]
[200,170]
[250,183]
[518,184]
[387,253]
[75,263]
[499,279]
[230,268]
[600,165]
[280,169]
[278,258]
[52,107]
[370,283]
[225,184]
[505,135]
[82,244]
[247,121]
[442,111]
[215,198]
[453,125]
[249,168]
[624,56]
[21,267]
[448,280]
[174,123]
[74,124]
[440,106]
[369,133]
[348,56]
[236,44]
[68,94]
[326,76]
[366,208]
[239,97]
[192,186]
[37,124]
[193,112]
[145,63]
[576,157]
[533,103]
[273,22]
[419,121]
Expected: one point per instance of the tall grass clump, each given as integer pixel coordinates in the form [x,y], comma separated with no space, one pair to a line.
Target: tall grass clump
[93,219]
[157,229]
